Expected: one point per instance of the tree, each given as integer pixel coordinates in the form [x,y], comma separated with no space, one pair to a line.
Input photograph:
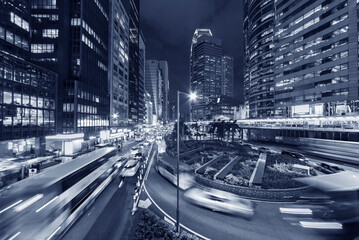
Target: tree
[212,128]
[196,127]
[184,131]
[235,128]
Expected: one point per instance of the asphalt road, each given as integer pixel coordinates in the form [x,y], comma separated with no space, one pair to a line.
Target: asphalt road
[110,214]
[266,224]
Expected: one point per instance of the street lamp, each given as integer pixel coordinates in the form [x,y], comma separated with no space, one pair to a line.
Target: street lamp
[192,97]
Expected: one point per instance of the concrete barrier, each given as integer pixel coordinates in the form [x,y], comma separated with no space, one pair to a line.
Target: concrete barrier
[192,160]
[276,195]
[202,168]
[225,170]
[191,152]
[257,175]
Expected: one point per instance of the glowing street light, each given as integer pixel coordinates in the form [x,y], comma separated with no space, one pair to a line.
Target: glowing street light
[192,97]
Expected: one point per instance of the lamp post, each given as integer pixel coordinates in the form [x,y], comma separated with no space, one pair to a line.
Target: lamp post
[192,96]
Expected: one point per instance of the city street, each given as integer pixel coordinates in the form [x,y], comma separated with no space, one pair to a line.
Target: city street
[266,221]
[110,214]
[183,119]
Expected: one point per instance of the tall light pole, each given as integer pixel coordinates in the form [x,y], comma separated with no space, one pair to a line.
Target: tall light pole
[192,96]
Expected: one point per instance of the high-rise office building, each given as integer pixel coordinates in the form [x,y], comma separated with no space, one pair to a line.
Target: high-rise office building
[205,70]
[70,38]
[153,83]
[227,76]
[141,79]
[304,56]
[133,8]
[258,26]
[118,64]
[316,58]
[149,109]
[15,27]
[27,91]
[163,66]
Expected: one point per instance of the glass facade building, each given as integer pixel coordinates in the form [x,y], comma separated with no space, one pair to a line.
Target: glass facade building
[163,66]
[258,27]
[69,38]
[301,58]
[27,91]
[27,99]
[316,58]
[118,64]
[205,70]
[136,112]
[153,83]
[227,78]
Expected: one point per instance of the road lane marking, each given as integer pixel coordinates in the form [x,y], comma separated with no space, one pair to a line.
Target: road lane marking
[169,221]
[10,206]
[38,210]
[28,202]
[13,237]
[144,203]
[53,234]
[168,216]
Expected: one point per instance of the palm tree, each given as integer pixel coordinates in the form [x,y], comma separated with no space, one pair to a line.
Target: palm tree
[234,128]
[221,129]
[213,126]
[196,127]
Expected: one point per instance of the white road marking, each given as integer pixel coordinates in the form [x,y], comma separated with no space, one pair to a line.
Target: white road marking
[38,210]
[167,215]
[53,234]
[13,237]
[169,220]
[144,204]
[10,206]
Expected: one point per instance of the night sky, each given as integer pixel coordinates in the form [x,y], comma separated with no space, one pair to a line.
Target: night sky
[168,27]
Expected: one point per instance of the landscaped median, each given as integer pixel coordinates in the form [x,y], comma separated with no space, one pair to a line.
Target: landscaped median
[247,171]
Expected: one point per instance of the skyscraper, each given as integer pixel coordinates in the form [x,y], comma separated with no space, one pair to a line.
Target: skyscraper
[259,57]
[118,64]
[163,66]
[153,83]
[301,58]
[136,90]
[27,92]
[205,70]
[70,38]
[141,79]
[149,109]
[316,58]
[227,76]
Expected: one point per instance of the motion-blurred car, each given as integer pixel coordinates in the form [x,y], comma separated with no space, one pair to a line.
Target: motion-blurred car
[121,162]
[138,156]
[130,168]
[147,143]
[134,150]
[140,146]
[185,178]
[264,149]
[220,201]
[294,155]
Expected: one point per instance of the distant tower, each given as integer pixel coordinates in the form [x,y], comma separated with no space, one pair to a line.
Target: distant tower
[205,70]
[227,76]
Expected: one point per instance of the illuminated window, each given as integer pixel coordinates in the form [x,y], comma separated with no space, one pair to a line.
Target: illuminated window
[19,21]
[42,48]
[50,33]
